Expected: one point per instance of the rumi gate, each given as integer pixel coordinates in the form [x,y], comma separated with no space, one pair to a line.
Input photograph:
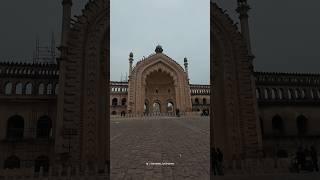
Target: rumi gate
[158,84]
[54,116]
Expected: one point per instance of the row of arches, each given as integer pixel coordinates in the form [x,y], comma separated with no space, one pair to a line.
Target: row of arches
[115,102]
[197,101]
[16,127]
[156,107]
[24,71]
[278,125]
[291,93]
[284,79]
[119,89]
[29,88]
[200,91]
[14,162]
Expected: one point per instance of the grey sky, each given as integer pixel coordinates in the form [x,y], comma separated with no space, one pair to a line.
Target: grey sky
[23,20]
[285,34]
[181,27]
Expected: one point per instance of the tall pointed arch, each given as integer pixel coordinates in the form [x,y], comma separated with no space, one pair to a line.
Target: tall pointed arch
[82,125]
[234,125]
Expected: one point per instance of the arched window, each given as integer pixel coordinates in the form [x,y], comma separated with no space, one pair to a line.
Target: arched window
[114,102]
[311,94]
[196,101]
[56,90]
[123,101]
[266,93]
[8,88]
[114,113]
[204,101]
[19,88]
[41,89]
[15,127]
[146,107]
[302,124]
[280,93]
[273,93]
[303,93]
[170,108]
[12,162]
[258,93]
[277,125]
[49,89]
[44,127]
[29,89]
[41,161]
[290,94]
[156,107]
[297,94]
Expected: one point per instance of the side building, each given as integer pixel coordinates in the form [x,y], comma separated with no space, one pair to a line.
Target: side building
[288,105]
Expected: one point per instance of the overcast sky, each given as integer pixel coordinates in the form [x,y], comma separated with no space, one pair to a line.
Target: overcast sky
[181,27]
[285,33]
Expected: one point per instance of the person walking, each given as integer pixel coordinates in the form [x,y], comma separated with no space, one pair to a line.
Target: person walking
[300,158]
[214,161]
[220,162]
[314,158]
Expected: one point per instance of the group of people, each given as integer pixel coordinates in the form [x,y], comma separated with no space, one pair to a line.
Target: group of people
[217,162]
[307,159]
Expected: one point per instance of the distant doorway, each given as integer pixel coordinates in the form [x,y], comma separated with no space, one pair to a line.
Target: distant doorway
[170,107]
[156,107]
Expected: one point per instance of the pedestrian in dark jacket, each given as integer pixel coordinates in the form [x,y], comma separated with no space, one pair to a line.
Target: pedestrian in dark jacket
[214,162]
[314,158]
[220,161]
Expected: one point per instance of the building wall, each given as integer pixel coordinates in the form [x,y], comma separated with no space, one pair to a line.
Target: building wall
[32,96]
[273,96]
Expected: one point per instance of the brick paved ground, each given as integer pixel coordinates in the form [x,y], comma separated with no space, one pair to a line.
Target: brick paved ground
[292,176]
[182,141]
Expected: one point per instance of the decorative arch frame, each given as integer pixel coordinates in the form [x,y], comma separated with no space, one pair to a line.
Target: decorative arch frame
[83,101]
[235,125]
[153,63]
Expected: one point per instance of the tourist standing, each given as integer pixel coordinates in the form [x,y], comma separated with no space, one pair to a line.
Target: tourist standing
[214,161]
[220,161]
[314,158]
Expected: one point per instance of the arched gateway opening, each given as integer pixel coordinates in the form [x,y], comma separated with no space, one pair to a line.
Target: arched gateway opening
[234,118]
[157,88]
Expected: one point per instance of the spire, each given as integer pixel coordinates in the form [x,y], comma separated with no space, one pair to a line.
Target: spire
[243,9]
[130,63]
[186,67]
[66,18]
[53,48]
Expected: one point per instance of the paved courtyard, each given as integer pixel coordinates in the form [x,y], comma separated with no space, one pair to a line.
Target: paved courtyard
[160,148]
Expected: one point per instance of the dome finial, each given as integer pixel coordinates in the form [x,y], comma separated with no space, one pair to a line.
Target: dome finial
[159,49]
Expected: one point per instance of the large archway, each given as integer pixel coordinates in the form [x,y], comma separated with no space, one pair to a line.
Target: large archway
[162,79]
[159,87]
[83,101]
[234,126]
